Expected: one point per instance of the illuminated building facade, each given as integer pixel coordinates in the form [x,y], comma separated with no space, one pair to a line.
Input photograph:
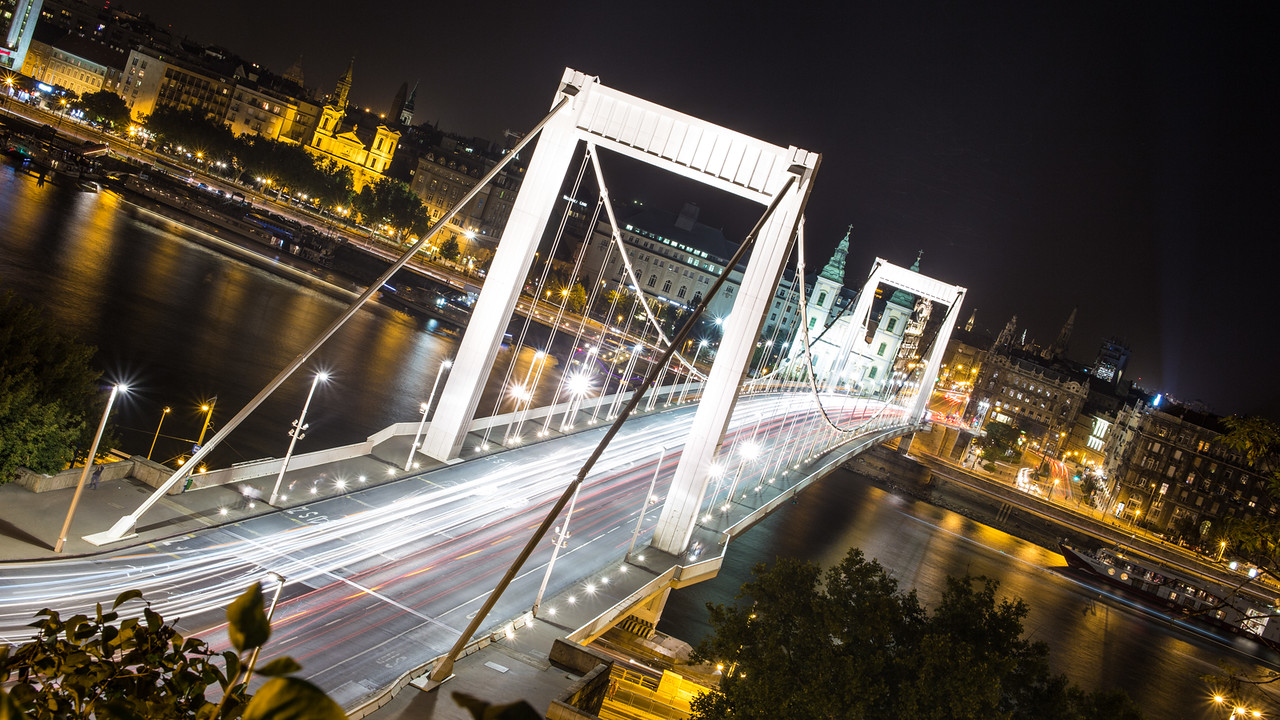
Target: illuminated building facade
[78,64]
[676,258]
[447,172]
[356,140]
[17,23]
[258,110]
[1181,476]
[154,79]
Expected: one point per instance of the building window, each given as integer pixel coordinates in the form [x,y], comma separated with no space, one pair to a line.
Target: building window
[653,280]
[683,291]
[822,298]
[883,347]
[893,323]
[872,374]
[666,286]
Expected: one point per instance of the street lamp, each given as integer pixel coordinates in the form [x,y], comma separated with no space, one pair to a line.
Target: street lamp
[578,386]
[1222,546]
[644,504]
[207,408]
[560,540]
[693,369]
[157,435]
[88,463]
[426,408]
[296,433]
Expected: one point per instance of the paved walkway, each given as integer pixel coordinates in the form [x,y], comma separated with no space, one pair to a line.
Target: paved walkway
[29,522]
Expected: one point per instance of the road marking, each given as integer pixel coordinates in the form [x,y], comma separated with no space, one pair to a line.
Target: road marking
[363,590]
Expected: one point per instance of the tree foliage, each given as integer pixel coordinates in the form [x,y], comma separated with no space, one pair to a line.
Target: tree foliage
[1258,440]
[104,107]
[288,165]
[113,667]
[852,645]
[48,392]
[393,203]
[449,249]
[1000,442]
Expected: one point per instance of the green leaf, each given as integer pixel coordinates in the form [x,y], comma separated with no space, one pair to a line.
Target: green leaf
[125,597]
[279,666]
[288,698]
[248,626]
[8,708]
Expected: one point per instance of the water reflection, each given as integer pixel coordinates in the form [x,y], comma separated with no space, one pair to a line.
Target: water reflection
[183,323]
[1097,641]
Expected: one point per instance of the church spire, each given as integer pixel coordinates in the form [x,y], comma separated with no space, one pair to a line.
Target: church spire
[294,73]
[834,270]
[1005,339]
[343,87]
[1059,347]
[968,327]
[406,108]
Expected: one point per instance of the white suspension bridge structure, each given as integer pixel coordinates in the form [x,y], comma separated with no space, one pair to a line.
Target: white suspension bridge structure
[637,435]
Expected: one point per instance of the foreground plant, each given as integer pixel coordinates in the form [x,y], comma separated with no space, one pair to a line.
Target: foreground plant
[140,668]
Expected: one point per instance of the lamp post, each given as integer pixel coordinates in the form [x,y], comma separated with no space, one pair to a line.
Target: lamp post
[207,408]
[693,369]
[157,435]
[297,432]
[1222,547]
[644,504]
[578,385]
[426,408]
[560,540]
[208,418]
[88,463]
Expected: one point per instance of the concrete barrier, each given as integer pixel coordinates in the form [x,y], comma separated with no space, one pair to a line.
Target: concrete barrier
[136,467]
[271,466]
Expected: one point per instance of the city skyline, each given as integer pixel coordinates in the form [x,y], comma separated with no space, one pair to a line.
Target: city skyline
[1113,159]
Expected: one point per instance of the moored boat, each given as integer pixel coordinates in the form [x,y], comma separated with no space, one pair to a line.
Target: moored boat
[1181,594]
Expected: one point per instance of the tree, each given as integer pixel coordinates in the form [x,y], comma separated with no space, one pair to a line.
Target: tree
[140,667]
[104,107]
[1258,440]
[48,392]
[853,645]
[576,300]
[1089,485]
[449,249]
[1000,441]
[393,203]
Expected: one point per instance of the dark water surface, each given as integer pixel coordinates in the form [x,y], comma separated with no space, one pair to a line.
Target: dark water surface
[181,322]
[1096,641]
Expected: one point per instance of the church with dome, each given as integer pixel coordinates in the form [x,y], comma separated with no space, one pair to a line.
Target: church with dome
[883,348]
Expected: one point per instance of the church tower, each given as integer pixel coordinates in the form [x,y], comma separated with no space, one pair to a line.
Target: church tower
[1059,346]
[826,287]
[343,88]
[1005,339]
[405,109]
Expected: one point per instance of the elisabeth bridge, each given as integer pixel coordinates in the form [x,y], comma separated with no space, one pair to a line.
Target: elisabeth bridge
[631,482]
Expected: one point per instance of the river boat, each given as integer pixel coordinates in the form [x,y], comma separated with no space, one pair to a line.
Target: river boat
[1180,594]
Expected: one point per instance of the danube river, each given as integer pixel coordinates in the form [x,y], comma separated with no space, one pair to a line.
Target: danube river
[182,322]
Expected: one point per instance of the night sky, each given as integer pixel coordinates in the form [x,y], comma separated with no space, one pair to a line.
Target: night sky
[1116,157]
